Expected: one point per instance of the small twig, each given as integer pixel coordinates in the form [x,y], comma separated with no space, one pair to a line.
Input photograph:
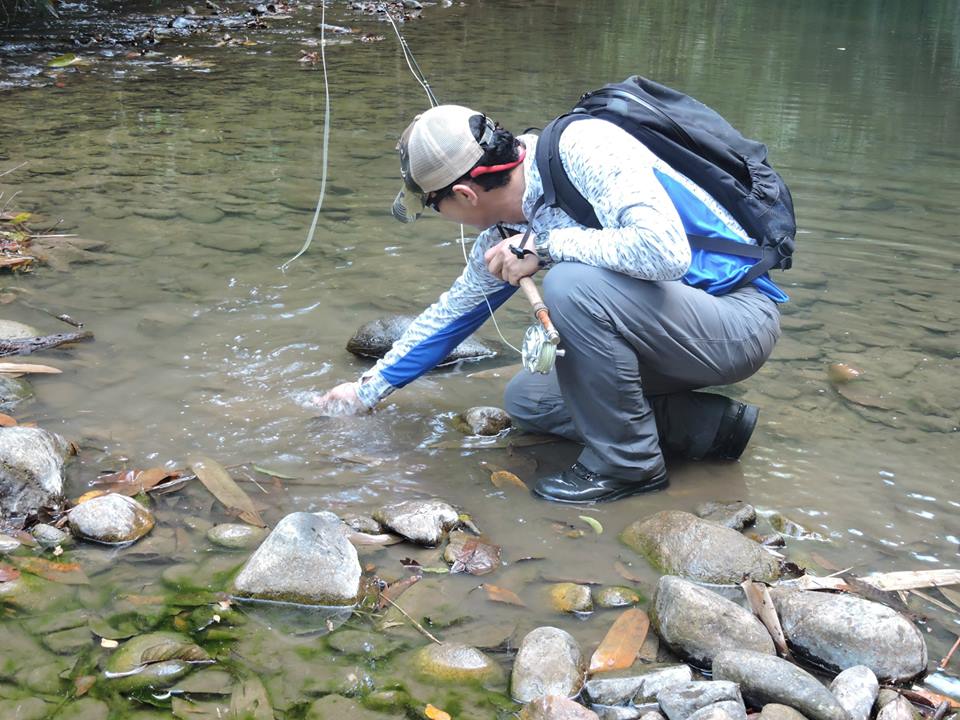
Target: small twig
[63,317]
[13,169]
[7,204]
[417,625]
[946,659]
[251,479]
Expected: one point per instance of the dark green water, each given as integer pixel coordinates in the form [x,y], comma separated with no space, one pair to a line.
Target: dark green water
[200,182]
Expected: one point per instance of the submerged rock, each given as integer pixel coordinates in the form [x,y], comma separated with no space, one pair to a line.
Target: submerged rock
[679,702]
[856,690]
[306,559]
[420,521]
[682,544]
[110,519]
[613,596]
[236,536]
[571,598]
[840,631]
[49,537]
[549,662]
[735,515]
[483,421]
[456,662]
[375,338]
[768,679]
[134,665]
[359,643]
[13,391]
[697,623]
[556,707]
[337,707]
[31,460]
[8,544]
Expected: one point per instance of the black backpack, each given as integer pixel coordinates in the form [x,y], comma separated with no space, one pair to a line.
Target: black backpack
[697,142]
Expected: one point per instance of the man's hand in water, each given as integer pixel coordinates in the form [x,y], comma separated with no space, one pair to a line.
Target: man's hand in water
[341,400]
[502,263]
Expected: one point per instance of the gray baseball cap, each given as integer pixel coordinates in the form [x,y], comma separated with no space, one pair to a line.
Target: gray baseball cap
[436,149]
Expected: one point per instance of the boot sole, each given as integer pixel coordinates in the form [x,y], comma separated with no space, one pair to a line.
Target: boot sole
[611,496]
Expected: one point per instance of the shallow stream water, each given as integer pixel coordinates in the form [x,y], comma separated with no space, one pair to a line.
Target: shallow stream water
[200,181]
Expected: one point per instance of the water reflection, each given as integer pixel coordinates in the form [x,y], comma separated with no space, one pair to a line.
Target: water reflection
[201,185]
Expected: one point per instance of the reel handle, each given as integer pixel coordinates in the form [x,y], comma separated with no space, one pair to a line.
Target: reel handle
[539,309]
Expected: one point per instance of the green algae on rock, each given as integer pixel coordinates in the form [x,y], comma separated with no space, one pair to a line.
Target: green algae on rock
[679,543]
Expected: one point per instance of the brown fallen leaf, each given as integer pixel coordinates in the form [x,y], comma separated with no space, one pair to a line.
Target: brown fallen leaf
[758,595]
[134,482]
[8,573]
[82,684]
[477,558]
[505,478]
[63,573]
[623,641]
[395,590]
[927,698]
[7,421]
[502,595]
[223,487]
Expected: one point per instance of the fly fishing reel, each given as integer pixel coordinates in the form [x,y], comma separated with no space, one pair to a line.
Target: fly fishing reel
[540,351]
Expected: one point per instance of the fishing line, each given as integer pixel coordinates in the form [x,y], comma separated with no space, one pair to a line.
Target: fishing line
[421,79]
[326,138]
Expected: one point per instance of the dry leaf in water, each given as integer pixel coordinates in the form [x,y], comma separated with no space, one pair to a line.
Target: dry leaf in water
[504,478]
[223,487]
[435,713]
[477,558]
[8,573]
[624,572]
[622,642]
[63,573]
[134,482]
[502,595]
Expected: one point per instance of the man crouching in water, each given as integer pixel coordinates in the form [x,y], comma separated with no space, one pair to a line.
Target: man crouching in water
[637,338]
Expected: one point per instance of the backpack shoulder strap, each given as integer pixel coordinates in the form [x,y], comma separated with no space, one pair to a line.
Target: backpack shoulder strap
[558,191]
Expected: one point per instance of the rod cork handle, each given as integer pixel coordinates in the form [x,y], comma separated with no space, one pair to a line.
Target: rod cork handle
[539,308]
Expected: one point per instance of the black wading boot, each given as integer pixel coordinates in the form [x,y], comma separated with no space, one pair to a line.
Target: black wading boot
[579,485]
[736,426]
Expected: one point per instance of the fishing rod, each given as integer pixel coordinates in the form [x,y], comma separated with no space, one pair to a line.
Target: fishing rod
[539,351]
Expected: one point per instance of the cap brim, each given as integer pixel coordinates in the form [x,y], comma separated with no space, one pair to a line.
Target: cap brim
[408,206]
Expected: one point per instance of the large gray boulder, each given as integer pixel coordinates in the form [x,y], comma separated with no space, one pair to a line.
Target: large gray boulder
[697,623]
[839,631]
[766,679]
[31,461]
[306,559]
[549,662]
[679,543]
[375,338]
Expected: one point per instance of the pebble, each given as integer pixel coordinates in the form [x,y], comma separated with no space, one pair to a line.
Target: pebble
[421,521]
[735,515]
[616,596]
[776,711]
[49,537]
[236,536]
[484,421]
[571,598]
[456,662]
[556,707]
[110,519]
[679,702]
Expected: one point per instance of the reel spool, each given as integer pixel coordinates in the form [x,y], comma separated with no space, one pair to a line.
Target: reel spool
[540,352]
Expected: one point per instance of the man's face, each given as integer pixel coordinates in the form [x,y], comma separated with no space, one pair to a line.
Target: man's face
[466,205]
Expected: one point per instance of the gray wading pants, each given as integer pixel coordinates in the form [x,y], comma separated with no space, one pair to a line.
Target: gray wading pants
[634,351]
